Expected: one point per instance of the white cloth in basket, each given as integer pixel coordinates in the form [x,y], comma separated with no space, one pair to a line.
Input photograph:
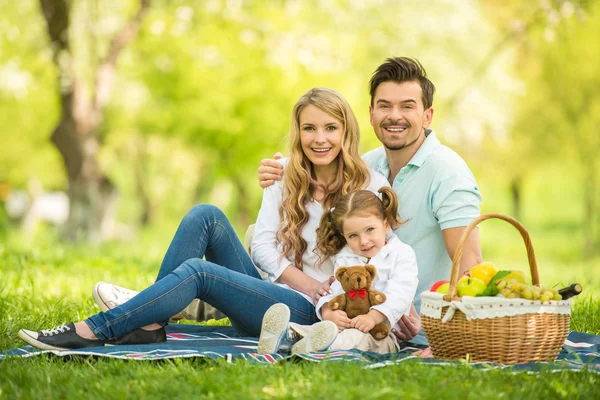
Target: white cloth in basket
[488,307]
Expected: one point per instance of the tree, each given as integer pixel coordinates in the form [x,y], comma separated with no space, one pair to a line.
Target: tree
[76,135]
[571,110]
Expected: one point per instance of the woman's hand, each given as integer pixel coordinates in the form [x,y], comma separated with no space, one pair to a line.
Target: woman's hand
[408,326]
[321,289]
[363,323]
[338,317]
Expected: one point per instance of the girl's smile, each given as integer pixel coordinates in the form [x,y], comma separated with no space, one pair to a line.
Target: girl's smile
[365,235]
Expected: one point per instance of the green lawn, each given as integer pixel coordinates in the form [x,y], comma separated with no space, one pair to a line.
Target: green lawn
[52,285]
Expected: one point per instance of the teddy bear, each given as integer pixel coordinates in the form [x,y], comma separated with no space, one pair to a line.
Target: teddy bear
[358,297]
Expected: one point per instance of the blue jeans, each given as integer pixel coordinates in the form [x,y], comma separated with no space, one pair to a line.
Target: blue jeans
[226,279]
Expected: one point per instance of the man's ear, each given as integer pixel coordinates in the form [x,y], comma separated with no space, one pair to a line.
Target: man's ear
[427,117]
[371,115]
[340,273]
[371,270]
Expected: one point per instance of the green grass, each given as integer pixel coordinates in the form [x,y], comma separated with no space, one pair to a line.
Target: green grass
[52,285]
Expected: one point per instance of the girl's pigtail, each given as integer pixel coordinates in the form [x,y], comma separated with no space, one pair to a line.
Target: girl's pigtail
[390,207]
[329,240]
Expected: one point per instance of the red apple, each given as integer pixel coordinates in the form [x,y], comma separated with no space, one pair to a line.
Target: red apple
[440,287]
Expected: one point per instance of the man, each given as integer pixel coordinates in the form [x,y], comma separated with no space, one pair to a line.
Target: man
[437,192]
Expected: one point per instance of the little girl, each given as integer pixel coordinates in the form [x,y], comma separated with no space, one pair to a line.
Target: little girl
[358,231]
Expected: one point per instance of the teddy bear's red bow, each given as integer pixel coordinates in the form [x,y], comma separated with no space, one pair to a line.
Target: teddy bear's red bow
[361,292]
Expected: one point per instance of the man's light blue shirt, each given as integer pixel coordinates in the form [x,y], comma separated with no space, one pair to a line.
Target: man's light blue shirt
[436,191]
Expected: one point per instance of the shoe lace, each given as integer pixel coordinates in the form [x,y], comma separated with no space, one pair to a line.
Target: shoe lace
[123,294]
[56,331]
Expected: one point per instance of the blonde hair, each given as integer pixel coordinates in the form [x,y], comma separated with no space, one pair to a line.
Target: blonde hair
[330,235]
[299,181]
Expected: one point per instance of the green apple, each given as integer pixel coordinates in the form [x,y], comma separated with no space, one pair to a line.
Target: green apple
[469,286]
[444,288]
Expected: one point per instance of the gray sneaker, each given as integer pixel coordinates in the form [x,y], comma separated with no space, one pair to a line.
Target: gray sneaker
[200,311]
[274,328]
[108,296]
[321,336]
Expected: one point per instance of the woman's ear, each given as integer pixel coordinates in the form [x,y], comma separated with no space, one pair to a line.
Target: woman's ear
[386,226]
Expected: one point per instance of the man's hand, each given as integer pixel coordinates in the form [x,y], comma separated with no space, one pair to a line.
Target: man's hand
[363,323]
[408,326]
[270,171]
[322,289]
[424,353]
[338,317]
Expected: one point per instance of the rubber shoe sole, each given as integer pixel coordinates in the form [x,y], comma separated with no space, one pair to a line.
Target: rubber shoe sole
[97,297]
[320,337]
[274,328]
[30,338]
[63,337]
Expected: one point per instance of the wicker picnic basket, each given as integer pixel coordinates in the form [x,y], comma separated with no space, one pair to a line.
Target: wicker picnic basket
[495,329]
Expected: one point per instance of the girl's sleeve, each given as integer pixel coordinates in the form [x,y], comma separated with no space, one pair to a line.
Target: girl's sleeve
[264,249]
[401,287]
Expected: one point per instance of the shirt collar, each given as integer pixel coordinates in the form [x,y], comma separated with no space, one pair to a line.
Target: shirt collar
[428,146]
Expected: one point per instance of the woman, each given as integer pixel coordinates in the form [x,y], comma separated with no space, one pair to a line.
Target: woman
[324,164]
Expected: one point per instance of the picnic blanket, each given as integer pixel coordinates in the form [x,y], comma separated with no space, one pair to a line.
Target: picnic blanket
[581,351]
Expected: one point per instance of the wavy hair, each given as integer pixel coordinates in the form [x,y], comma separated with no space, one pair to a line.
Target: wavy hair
[299,182]
[330,235]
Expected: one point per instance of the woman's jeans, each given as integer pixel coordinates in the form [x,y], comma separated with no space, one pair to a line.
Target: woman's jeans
[227,280]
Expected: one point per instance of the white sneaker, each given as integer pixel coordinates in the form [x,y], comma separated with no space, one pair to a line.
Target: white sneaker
[109,296]
[274,328]
[321,336]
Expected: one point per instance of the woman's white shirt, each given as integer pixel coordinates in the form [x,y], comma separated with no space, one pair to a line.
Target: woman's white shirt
[265,249]
[396,277]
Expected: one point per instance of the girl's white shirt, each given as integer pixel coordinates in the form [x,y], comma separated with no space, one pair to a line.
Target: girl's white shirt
[396,277]
[266,250]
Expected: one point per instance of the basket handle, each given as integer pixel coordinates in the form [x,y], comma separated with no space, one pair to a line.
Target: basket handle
[535,279]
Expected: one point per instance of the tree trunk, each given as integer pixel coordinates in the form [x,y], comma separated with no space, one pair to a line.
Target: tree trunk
[76,135]
[243,203]
[590,208]
[90,190]
[515,191]
[140,168]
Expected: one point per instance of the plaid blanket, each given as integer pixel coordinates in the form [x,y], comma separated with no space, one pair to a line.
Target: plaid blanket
[580,351]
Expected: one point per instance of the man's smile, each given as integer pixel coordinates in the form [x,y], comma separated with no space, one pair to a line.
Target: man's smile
[395,128]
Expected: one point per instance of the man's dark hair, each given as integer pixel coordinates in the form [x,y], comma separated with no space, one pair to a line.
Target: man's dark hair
[403,69]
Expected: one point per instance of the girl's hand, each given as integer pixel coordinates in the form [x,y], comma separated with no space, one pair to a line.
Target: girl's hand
[322,289]
[363,323]
[338,317]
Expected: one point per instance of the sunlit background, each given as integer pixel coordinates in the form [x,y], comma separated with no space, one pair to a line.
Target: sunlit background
[180,107]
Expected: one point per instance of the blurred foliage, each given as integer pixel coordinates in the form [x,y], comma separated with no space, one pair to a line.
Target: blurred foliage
[206,89]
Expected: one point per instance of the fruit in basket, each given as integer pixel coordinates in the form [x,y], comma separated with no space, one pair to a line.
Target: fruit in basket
[518,275]
[513,289]
[441,287]
[513,280]
[470,286]
[484,271]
